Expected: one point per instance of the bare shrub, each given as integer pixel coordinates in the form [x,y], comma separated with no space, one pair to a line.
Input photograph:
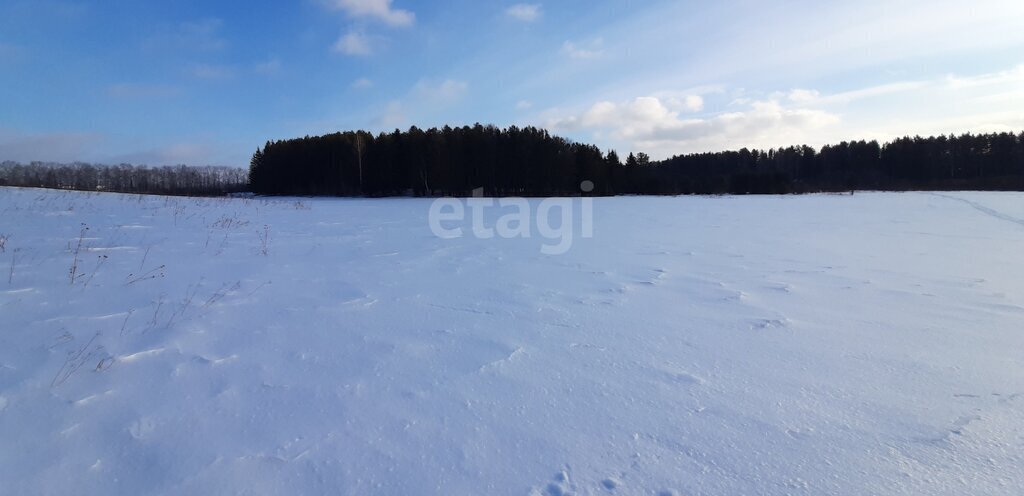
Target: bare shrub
[222,292]
[186,303]
[178,210]
[76,359]
[250,293]
[156,314]
[14,261]
[100,260]
[73,273]
[145,276]
[264,240]
[226,222]
[124,325]
[223,243]
[144,256]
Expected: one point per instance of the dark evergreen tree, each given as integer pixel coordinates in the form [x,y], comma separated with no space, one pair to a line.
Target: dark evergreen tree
[530,162]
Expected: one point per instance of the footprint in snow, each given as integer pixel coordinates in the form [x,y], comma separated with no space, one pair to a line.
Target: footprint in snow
[779,287]
[611,483]
[963,422]
[656,276]
[142,428]
[560,485]
[682,378]
[768,324]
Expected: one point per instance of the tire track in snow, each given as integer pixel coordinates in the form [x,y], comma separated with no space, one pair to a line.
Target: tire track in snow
[983,209]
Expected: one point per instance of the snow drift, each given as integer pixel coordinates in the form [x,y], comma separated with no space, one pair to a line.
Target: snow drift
[824,344]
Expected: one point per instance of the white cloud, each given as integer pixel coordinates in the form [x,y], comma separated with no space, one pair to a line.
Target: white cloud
[648,124]
[589,50]
[1015,75]
[353,43]
[524,105]
[955,104]
[268,67]
[642,117]
[953,83]
[425,104]
[445,92]
[393,117]
[525,12]
[688,103]
[803,40]
[362,84]
[764,124]
[802,95]
[660,126]
[374,9]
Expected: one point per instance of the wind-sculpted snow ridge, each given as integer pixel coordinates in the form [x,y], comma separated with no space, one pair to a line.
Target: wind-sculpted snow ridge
[823,344]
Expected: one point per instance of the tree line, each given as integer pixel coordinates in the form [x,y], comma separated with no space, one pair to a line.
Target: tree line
[124,178]
[436,162]
[530,162]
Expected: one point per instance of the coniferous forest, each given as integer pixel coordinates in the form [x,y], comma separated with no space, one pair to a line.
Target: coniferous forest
[531,162]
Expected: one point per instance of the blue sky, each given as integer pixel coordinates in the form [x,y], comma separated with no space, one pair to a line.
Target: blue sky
[206,82]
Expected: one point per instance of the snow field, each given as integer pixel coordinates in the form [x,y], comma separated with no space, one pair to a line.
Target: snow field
[821,344]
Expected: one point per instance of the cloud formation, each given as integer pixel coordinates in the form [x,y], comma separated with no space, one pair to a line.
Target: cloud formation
[393,116]
[268,67]
[420,105]
[658,127]
[525,12]
[353,43]
[798,66]
[362,84]
[668,124]
[588,50]
[380,10]
[444,92]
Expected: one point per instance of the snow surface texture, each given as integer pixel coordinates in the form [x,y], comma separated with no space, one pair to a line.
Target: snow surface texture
[866,344]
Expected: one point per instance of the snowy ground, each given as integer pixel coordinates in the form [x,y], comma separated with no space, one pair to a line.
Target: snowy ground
[867,344]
